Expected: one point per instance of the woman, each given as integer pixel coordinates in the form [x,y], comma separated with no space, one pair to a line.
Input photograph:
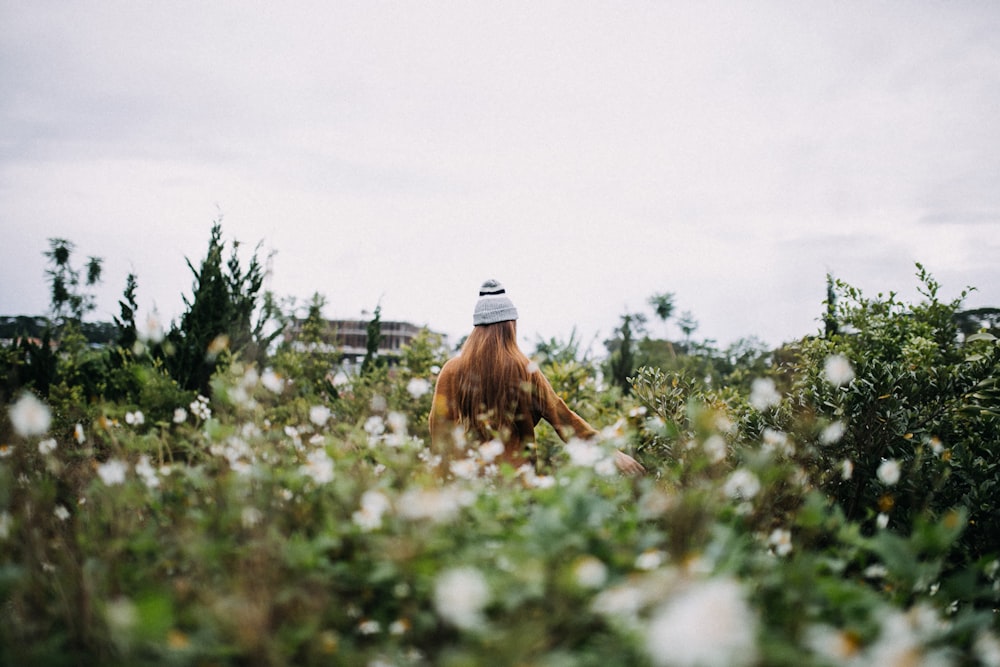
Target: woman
[491,390]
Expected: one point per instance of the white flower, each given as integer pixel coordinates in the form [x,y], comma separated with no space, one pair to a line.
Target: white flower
[78,433]
[135,418]
[650,559]
[112,472]
[250,516]
[987,648]
[741,485]
[61,512]
[781,540]
[319,414]
[319,466]
[151,330]
[147,472]
[374,504]
[846,469]
[838,370]
[882,520]
[832,433]
[876,571]
[29,416]
[584,453]
[199,408]
[6,450]
[888,472]
[715,448]
[490,450]
[438,505]
[121,615]
[763,394]
[777,441]
[272,381]
[464,468]
[590,572]
[460,594]
[180,416]
[369,627]
[708,625]
[418,387]
[47,446]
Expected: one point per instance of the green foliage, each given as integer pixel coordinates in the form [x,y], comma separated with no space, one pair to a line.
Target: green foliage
[219,316]
[277,519]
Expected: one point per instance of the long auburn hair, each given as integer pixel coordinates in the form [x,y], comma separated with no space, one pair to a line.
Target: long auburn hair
[493,378]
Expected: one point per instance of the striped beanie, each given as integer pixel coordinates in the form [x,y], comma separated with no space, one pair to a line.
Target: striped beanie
[493,305]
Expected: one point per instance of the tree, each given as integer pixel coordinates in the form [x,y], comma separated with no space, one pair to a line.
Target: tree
[621,362]
[68,299]
[663,305]
[374,332]
[218,316]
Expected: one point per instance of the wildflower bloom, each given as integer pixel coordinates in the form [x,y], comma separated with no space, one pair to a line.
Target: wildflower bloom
[846,469]
[490,450]
[180,416]
[147,472]
[741,484]
[61,512]
[781,540]
[112,472]
[777,442]
[319,466]
[763,394]
[29,416]
[837,370]
[374,504]
[135,418]
[78,433]
[708,625]
[47,446]
[650,559]
[888,472]
[460,594]
[5,451]
[319,414]
[715,448]
[590,572]
[832,433]
[272,381]
[418,387]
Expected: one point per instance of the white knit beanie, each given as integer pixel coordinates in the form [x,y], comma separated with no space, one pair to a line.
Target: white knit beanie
[493,305]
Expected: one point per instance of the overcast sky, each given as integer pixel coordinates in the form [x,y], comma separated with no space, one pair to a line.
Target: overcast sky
[586,154]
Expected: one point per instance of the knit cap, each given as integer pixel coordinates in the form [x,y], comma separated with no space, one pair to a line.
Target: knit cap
[493,305]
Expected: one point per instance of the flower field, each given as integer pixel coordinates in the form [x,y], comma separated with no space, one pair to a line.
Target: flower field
[836,507]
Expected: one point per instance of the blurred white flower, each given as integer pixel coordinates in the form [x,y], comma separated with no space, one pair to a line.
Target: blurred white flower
[121,616]
[532,367]
[464,468]
[838,370]
[151,330]
[6,450]
[936,445]
[250,516]
[781,540]
[741,484]
[590,572]
[78,433]
[460,594]
[374,504]
[418,387]
[832,433]
[272,381]
[987,648]
[763,394]
[882,520]
[318,466]
[29,416]
[777,442]
[888,472]
[47,446]
[709,624]
[836,646]
[199,408]
[489,451]
[61,512]
[180,415]
[622,600]
[147,472]
[846,469]
[715,448]
[650,559]
[375,428]
[438,505]
[112,472]
[877,571]
[135,418]
[319,414]
[369,627]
